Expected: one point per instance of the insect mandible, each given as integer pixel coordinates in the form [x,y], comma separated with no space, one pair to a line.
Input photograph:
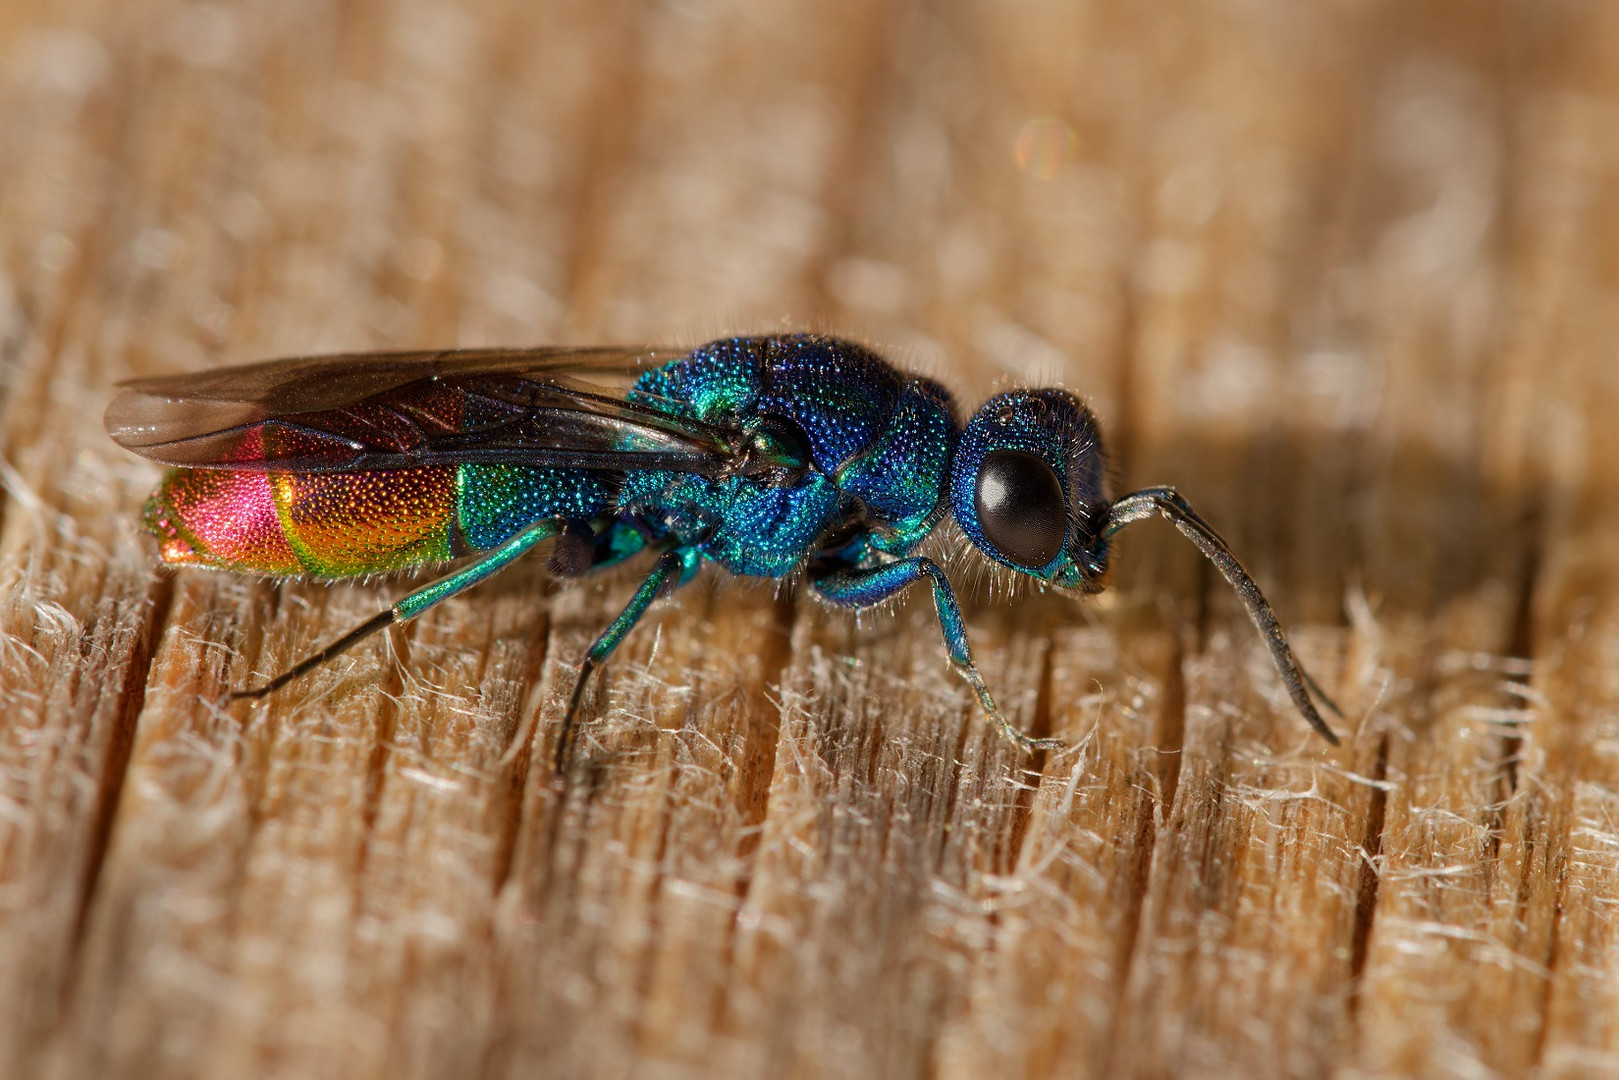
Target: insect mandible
[768,456]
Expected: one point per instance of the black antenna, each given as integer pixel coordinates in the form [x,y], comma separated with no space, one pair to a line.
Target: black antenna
[1167,502]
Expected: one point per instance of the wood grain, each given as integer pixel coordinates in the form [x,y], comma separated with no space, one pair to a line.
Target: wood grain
[1343,272]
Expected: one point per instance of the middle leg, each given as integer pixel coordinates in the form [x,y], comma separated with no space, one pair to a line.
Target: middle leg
[672,568]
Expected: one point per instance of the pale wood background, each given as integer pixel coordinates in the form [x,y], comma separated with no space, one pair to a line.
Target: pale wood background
[1347,271]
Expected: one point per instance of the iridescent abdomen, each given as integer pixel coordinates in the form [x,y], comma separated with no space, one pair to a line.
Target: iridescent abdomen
[327,525]
[333,525]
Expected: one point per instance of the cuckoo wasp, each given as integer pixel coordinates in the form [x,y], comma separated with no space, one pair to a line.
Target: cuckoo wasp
[768,456]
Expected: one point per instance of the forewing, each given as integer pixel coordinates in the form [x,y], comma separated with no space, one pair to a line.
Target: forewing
[402,410]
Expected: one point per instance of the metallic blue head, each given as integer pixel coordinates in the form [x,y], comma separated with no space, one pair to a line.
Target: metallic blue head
[1026,487]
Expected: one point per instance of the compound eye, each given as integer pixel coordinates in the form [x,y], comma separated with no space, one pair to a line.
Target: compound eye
[1020,507]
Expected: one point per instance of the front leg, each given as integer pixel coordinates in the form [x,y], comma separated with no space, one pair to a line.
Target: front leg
[859,589]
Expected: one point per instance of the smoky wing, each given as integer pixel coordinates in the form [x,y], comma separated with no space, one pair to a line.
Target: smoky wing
[559,407]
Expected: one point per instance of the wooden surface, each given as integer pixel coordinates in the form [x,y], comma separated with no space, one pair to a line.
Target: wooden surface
[1343,271]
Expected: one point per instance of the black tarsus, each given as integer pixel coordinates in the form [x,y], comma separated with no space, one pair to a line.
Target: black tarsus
[381,621]
[570,719]
[1168,503]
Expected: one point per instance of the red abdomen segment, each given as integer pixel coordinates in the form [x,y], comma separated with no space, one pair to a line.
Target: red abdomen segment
[325,525]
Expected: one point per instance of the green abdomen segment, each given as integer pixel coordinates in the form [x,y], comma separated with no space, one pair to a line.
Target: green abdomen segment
[333,525]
